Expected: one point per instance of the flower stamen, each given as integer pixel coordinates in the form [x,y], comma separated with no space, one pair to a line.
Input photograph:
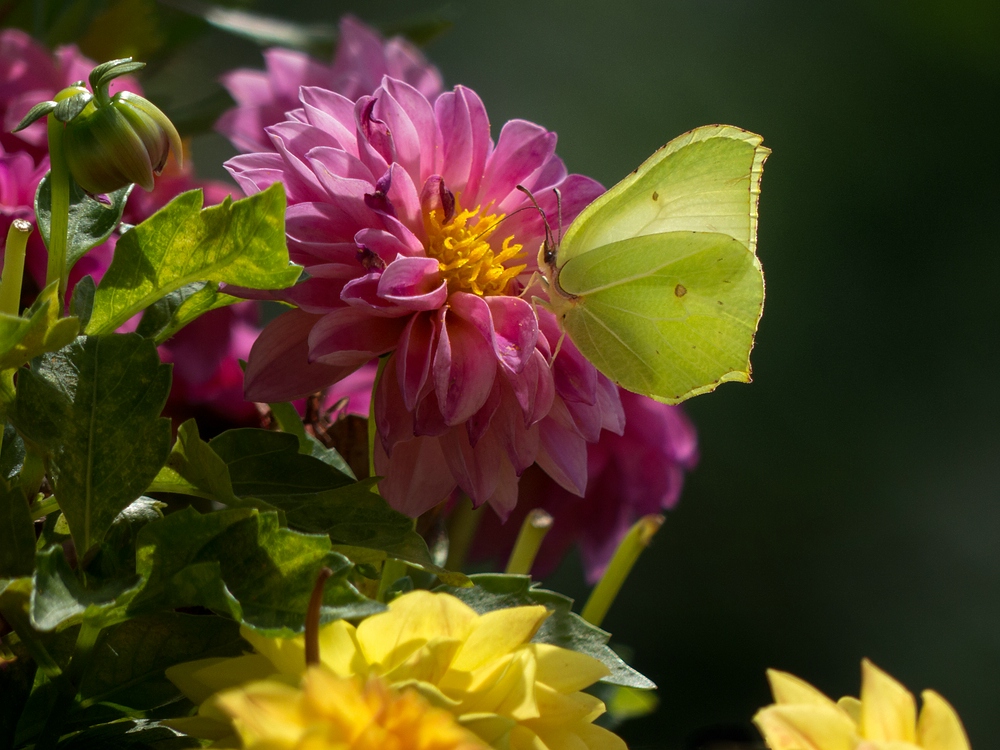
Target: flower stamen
[464,254]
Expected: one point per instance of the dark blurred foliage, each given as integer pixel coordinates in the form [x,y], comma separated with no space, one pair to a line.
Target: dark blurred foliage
[848,501]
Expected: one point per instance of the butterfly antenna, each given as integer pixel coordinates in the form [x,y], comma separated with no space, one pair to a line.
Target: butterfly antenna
[559,214]
[501,221]
[549,244]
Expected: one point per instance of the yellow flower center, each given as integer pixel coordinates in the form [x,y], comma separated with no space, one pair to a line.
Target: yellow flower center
[464,255]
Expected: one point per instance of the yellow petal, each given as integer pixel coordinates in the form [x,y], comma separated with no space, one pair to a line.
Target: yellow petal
[339,650]
[200,679]
[565,670]
[492,728]
[504,687]
[804,727]
[888,710]
[498,633]
[416,617]
[852,707]
[557,709]
[288,655]
[265,709]
[787,688]
[599,738]
[939,727]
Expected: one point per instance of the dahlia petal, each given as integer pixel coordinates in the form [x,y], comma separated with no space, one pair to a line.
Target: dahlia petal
[939,726]
[576,192]
[278,367]
[504,497]
[888,710]
[805,727]
[247,86]
[508,323]
[288,70]
[414,117]
[533,388]
[374,143]
[359,61]
[519,440]
[464,368]
[465,140]
[562,453]
[521,149]
[337,170]
[414,283]
[427,419]
[318,293]
[293,140]
[405,199]
[331,113]
[405,62]
[350,337]
[477,470]
[417,478]
[480,421]
[256,172]
[414,358]
[393,420]
[362,292]
[390,242]
[336,221]
[613,413]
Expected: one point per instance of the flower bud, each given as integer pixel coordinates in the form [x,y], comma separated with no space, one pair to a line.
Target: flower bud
[123,141]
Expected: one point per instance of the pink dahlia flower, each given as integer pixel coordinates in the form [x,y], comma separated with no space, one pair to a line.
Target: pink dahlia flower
[634,474]
[29,74]
[363,57]
[417,243]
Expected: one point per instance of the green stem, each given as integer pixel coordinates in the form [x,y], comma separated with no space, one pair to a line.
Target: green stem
[536,525]
[392,571]
[372,427]
[462,526]
[44,508]
[13,267]
[59,181]
[604,593]
[312,617]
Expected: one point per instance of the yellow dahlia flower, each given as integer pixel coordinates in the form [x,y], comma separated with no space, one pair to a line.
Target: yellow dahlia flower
[334,713]
[484,669]
[885,717]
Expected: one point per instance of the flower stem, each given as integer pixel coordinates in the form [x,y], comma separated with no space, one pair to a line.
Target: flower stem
[372,427]
[392,571]
[536,525]
[462,525]
[13,267]
[59,226]
[604,593]
[312,617]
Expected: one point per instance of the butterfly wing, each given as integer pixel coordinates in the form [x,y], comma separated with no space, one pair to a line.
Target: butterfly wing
[657,282]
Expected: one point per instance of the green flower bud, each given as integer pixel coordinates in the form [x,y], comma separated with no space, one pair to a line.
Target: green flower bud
[124,141]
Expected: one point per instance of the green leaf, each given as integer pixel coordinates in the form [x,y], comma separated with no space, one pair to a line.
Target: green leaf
[130,658]
[563,627]
[94,406]
[91,222]
[168,315]
[58,600]
[115,558]
[12,453]
[240,562]
[17,533]
[240,243]
[129,734]
[40,330]
[81,304]
[196,464]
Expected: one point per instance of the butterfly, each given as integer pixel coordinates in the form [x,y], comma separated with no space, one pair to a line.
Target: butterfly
[657,282]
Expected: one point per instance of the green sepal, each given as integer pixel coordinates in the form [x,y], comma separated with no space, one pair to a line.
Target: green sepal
[36,113]
[67,109]
[241,243]
[565,628]
[105,73]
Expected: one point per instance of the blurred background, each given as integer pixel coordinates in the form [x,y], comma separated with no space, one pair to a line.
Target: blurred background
[847,503]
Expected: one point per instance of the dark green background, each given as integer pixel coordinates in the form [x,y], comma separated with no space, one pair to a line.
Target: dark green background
[846,504]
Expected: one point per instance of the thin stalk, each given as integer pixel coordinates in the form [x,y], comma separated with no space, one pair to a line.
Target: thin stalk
[604,593]
[462,526]
[392,571]
[372,427]
[312,617]
[13,267]
[529,539]
[59,227]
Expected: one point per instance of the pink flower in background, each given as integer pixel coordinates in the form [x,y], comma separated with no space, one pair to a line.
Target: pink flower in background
[637,473]
[363,57]
[397,210]
[30,74]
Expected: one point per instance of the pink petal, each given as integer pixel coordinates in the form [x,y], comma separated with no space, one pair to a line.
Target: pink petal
[362,292]
[518,440]
[480,421]
[331,113]
[374,143]
[465,141]
[533,388]
[387,243]
[427,419]
[339,172]
[278,367]
[393,420]
[256,172]
[464,368]
[504,498]
[288,70]
[477,470]
[414,283]
[576,193]
[321,292]
[351,336]
[508,323]
[411,121]
[417,478]
[414,358]
[562,452]
[521,149]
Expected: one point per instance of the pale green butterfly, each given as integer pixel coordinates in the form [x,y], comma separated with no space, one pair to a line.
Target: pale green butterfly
[657,282]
